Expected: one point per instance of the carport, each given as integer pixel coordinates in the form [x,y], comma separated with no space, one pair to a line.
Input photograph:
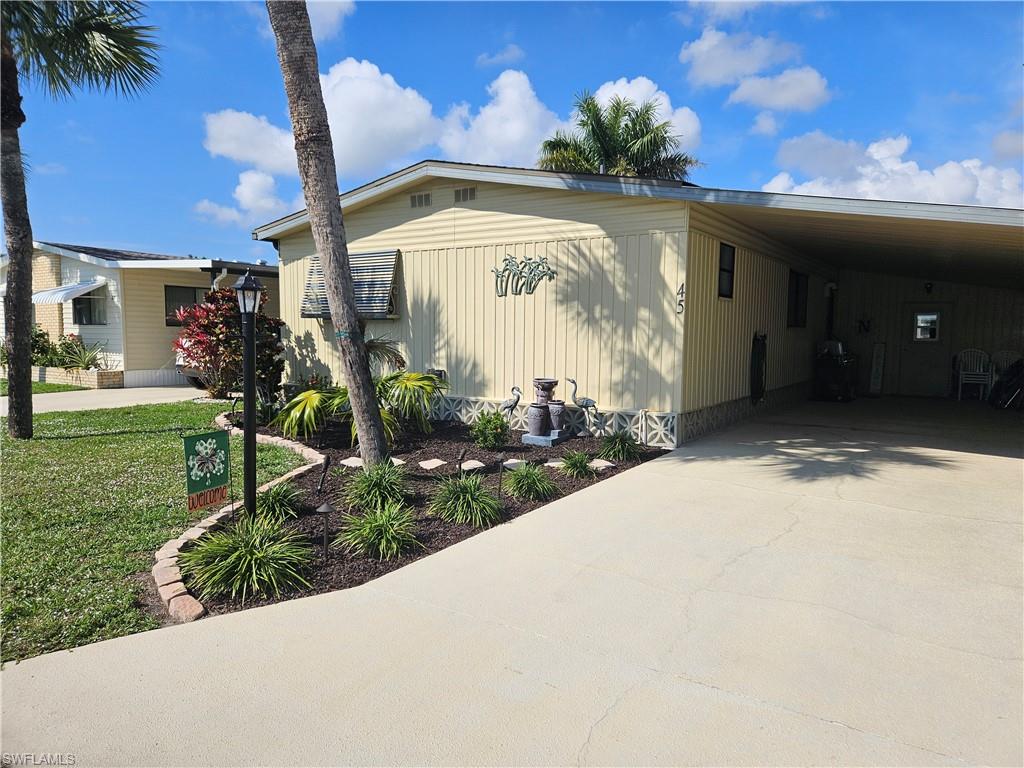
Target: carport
[915,283]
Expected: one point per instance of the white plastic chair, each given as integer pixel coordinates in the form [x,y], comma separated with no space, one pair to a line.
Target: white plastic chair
[973,367]
[1002,360]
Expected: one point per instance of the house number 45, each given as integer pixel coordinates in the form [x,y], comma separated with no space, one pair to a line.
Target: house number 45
[680,298]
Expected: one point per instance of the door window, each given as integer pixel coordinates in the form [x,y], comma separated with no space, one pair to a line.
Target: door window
[926,326]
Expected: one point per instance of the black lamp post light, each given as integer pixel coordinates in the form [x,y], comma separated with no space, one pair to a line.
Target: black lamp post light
[248,289]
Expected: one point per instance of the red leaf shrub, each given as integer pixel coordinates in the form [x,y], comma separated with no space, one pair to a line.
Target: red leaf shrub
[211,343]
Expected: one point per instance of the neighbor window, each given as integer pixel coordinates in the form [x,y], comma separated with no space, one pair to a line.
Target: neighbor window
[926,326]
[465,194]
[178,296]
[420,200]
[90,309]
[797,306]
[726,270]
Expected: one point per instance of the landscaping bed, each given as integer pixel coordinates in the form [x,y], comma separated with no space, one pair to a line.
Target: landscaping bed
[447,442]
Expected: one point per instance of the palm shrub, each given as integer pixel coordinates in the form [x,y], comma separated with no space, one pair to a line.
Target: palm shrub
[278,502]
[379,485]
[528,481]
[576,464]
[490,430]
[383,533]
[409,396]
[256,557]
[620,446]
[463,499]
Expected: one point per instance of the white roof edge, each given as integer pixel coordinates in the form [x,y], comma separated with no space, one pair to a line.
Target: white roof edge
[182,263]
[969,214]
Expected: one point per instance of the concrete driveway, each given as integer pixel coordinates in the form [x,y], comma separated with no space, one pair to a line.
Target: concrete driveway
[797,590]
[92,399]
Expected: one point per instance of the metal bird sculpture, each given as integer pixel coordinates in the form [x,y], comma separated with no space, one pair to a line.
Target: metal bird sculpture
[583,403]
[507,406]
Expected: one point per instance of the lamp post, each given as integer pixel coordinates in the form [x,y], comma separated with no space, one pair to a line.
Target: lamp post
[248,290]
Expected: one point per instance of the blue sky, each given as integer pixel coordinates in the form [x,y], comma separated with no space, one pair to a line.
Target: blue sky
[902,101]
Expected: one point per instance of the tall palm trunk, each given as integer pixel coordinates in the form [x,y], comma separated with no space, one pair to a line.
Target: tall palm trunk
[315,152]
[18,234]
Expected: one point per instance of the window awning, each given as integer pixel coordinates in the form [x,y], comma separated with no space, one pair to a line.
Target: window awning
[373,280]
[63,293]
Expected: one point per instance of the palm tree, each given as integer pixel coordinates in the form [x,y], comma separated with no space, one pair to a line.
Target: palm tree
[62,46]
[622,139]
[314,151]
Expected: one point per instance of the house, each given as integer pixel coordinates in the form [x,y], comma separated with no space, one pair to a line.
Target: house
[677,308]
[126,301]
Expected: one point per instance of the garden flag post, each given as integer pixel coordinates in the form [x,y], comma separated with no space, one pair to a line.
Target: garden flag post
[207,469]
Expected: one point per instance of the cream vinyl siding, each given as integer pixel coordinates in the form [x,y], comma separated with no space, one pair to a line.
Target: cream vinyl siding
[985,318]
[608,319]
[719,332]
[110,335]
[148,338]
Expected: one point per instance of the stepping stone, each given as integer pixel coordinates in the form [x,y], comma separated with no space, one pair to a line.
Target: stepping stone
[513,463]
[553,463]
[352,461]
[468,466]
[397,462]
[432,463]
[601,464]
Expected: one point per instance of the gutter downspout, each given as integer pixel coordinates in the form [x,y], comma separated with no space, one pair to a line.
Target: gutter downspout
[217,278]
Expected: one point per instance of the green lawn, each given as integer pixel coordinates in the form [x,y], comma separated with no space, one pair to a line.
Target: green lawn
[82,512]
[41,388]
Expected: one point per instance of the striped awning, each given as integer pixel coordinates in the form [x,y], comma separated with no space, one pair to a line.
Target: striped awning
[373,279]
[63,293]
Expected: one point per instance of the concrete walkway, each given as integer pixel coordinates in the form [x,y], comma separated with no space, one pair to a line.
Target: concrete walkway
[91,399]
[792,591]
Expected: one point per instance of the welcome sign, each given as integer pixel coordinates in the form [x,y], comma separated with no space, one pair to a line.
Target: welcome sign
[207,469]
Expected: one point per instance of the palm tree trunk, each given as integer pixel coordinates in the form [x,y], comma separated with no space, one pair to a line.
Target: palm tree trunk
[315,153]
[18,234]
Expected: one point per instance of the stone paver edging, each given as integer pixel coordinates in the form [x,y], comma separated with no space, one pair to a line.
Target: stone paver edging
[180,605]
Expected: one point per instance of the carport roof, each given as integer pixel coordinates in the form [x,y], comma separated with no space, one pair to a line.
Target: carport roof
[964,243]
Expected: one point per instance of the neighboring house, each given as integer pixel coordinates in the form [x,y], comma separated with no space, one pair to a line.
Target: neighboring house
[660,289]
[126,301]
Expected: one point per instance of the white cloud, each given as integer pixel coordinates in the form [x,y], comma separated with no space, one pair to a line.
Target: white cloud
[49,169]
[882,173]
[246,138]
[327,16]
[718,58]
[375,122]
[1008,145]
[256,198]
[818,154]
[685,123]
[799,88]
[724,10]
[510,54]
[765,124]
[507,130]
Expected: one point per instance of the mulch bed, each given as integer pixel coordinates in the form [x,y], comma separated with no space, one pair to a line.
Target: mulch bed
[447,442]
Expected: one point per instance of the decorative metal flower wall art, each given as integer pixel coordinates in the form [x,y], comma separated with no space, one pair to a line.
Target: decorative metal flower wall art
[521,276]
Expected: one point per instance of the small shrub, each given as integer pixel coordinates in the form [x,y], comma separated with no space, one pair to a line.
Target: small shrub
[75,354]
[463,499]
[490,430]
[257,556]
[528,481]
[278,502]
[576,464]
[383,533]
[620,446]
[376,487]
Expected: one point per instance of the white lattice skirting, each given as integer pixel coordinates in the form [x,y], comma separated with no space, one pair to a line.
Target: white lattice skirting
[649,427]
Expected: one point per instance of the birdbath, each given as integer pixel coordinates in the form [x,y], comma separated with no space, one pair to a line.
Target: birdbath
[544,389]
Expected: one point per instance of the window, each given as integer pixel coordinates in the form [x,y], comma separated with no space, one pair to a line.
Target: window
[726,269]
[177,296]
[797,306]
[90,308]
[465,194]
[926,326]
[421,200]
